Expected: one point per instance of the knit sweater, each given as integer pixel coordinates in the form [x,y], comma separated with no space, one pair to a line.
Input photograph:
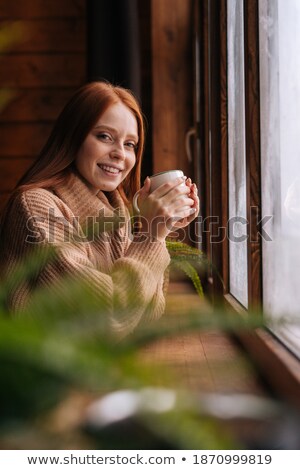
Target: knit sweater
[115,263]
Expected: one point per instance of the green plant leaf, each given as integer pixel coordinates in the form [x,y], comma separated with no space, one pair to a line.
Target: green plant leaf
[191,272]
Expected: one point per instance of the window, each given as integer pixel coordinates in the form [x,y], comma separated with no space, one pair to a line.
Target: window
[237,224]
[249,130]
[280,163]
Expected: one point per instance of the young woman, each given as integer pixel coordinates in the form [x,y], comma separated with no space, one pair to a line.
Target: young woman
[75,197]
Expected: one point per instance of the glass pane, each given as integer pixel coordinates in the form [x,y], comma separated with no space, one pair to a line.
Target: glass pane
[280,129]
[237,226]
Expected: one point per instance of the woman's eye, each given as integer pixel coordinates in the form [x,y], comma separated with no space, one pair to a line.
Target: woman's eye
[104,137]
[131,145]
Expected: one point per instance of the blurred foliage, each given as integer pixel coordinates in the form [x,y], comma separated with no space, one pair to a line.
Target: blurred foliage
[62,342]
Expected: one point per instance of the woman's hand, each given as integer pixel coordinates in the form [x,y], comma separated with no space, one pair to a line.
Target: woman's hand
[194,195]
[167,206]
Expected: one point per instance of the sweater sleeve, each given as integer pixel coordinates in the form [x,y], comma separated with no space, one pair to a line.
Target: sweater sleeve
[129,291]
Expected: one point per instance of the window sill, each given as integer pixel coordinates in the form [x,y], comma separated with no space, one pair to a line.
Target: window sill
[278,366]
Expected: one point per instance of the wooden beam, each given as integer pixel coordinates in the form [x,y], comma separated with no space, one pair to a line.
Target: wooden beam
[41,9]
[34,70]
[11,171]
[23,140]
[172,71]
[50,34]
[252,117]
[35,105]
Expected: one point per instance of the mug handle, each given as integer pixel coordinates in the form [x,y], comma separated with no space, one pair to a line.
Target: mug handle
[134,202]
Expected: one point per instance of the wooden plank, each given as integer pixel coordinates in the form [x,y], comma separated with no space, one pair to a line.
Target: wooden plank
[205,189]
[23,140]
[56,35]
[42,70]
[278,366]
[144,19]
[204,360]
[164,87]
[11,172]
[184,95]
[230,367]
[218,235]
[224,142]
[172,82]
[35,105]
[41,9]
[252,115]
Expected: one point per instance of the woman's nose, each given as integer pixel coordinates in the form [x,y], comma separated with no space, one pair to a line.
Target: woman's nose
[118,151]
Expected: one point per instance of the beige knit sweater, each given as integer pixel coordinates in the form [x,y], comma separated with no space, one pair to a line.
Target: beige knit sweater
[114,263]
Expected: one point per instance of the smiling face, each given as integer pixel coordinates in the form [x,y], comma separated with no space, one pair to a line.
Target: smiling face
[107,154]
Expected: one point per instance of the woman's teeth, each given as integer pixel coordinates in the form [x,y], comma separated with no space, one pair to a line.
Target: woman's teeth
[110,169]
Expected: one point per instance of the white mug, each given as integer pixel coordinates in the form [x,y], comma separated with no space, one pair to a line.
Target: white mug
[157,180]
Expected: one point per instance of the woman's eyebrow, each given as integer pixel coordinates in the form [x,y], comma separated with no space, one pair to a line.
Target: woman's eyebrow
[106,127]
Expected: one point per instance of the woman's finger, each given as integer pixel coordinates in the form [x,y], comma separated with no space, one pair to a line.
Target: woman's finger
[181,223]
[183,218]
[182,203]
[145,189]
[188,182]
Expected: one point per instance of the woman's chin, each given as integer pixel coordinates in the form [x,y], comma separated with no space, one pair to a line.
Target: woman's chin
[108,185]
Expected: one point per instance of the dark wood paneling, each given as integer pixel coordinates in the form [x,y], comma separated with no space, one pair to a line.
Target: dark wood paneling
[172,71]
[253,151]
[205,189]
[224,142]
[11,172]
[42,70]
[35,104]
[144,12]
[22,140]
[57,35]
[218,164]
[42,9]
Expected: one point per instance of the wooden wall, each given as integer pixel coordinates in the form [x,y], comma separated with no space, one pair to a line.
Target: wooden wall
[45,66]
[144,12]
[41,69]
[172,82]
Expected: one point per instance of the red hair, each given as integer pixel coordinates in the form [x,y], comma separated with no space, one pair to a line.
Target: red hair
[70,130]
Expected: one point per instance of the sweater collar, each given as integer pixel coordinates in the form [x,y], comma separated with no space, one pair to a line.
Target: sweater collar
[85,204]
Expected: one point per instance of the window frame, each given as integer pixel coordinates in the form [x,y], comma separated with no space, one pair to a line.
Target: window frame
[278,365]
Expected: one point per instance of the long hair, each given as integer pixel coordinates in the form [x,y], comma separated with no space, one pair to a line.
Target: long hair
[71,128]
